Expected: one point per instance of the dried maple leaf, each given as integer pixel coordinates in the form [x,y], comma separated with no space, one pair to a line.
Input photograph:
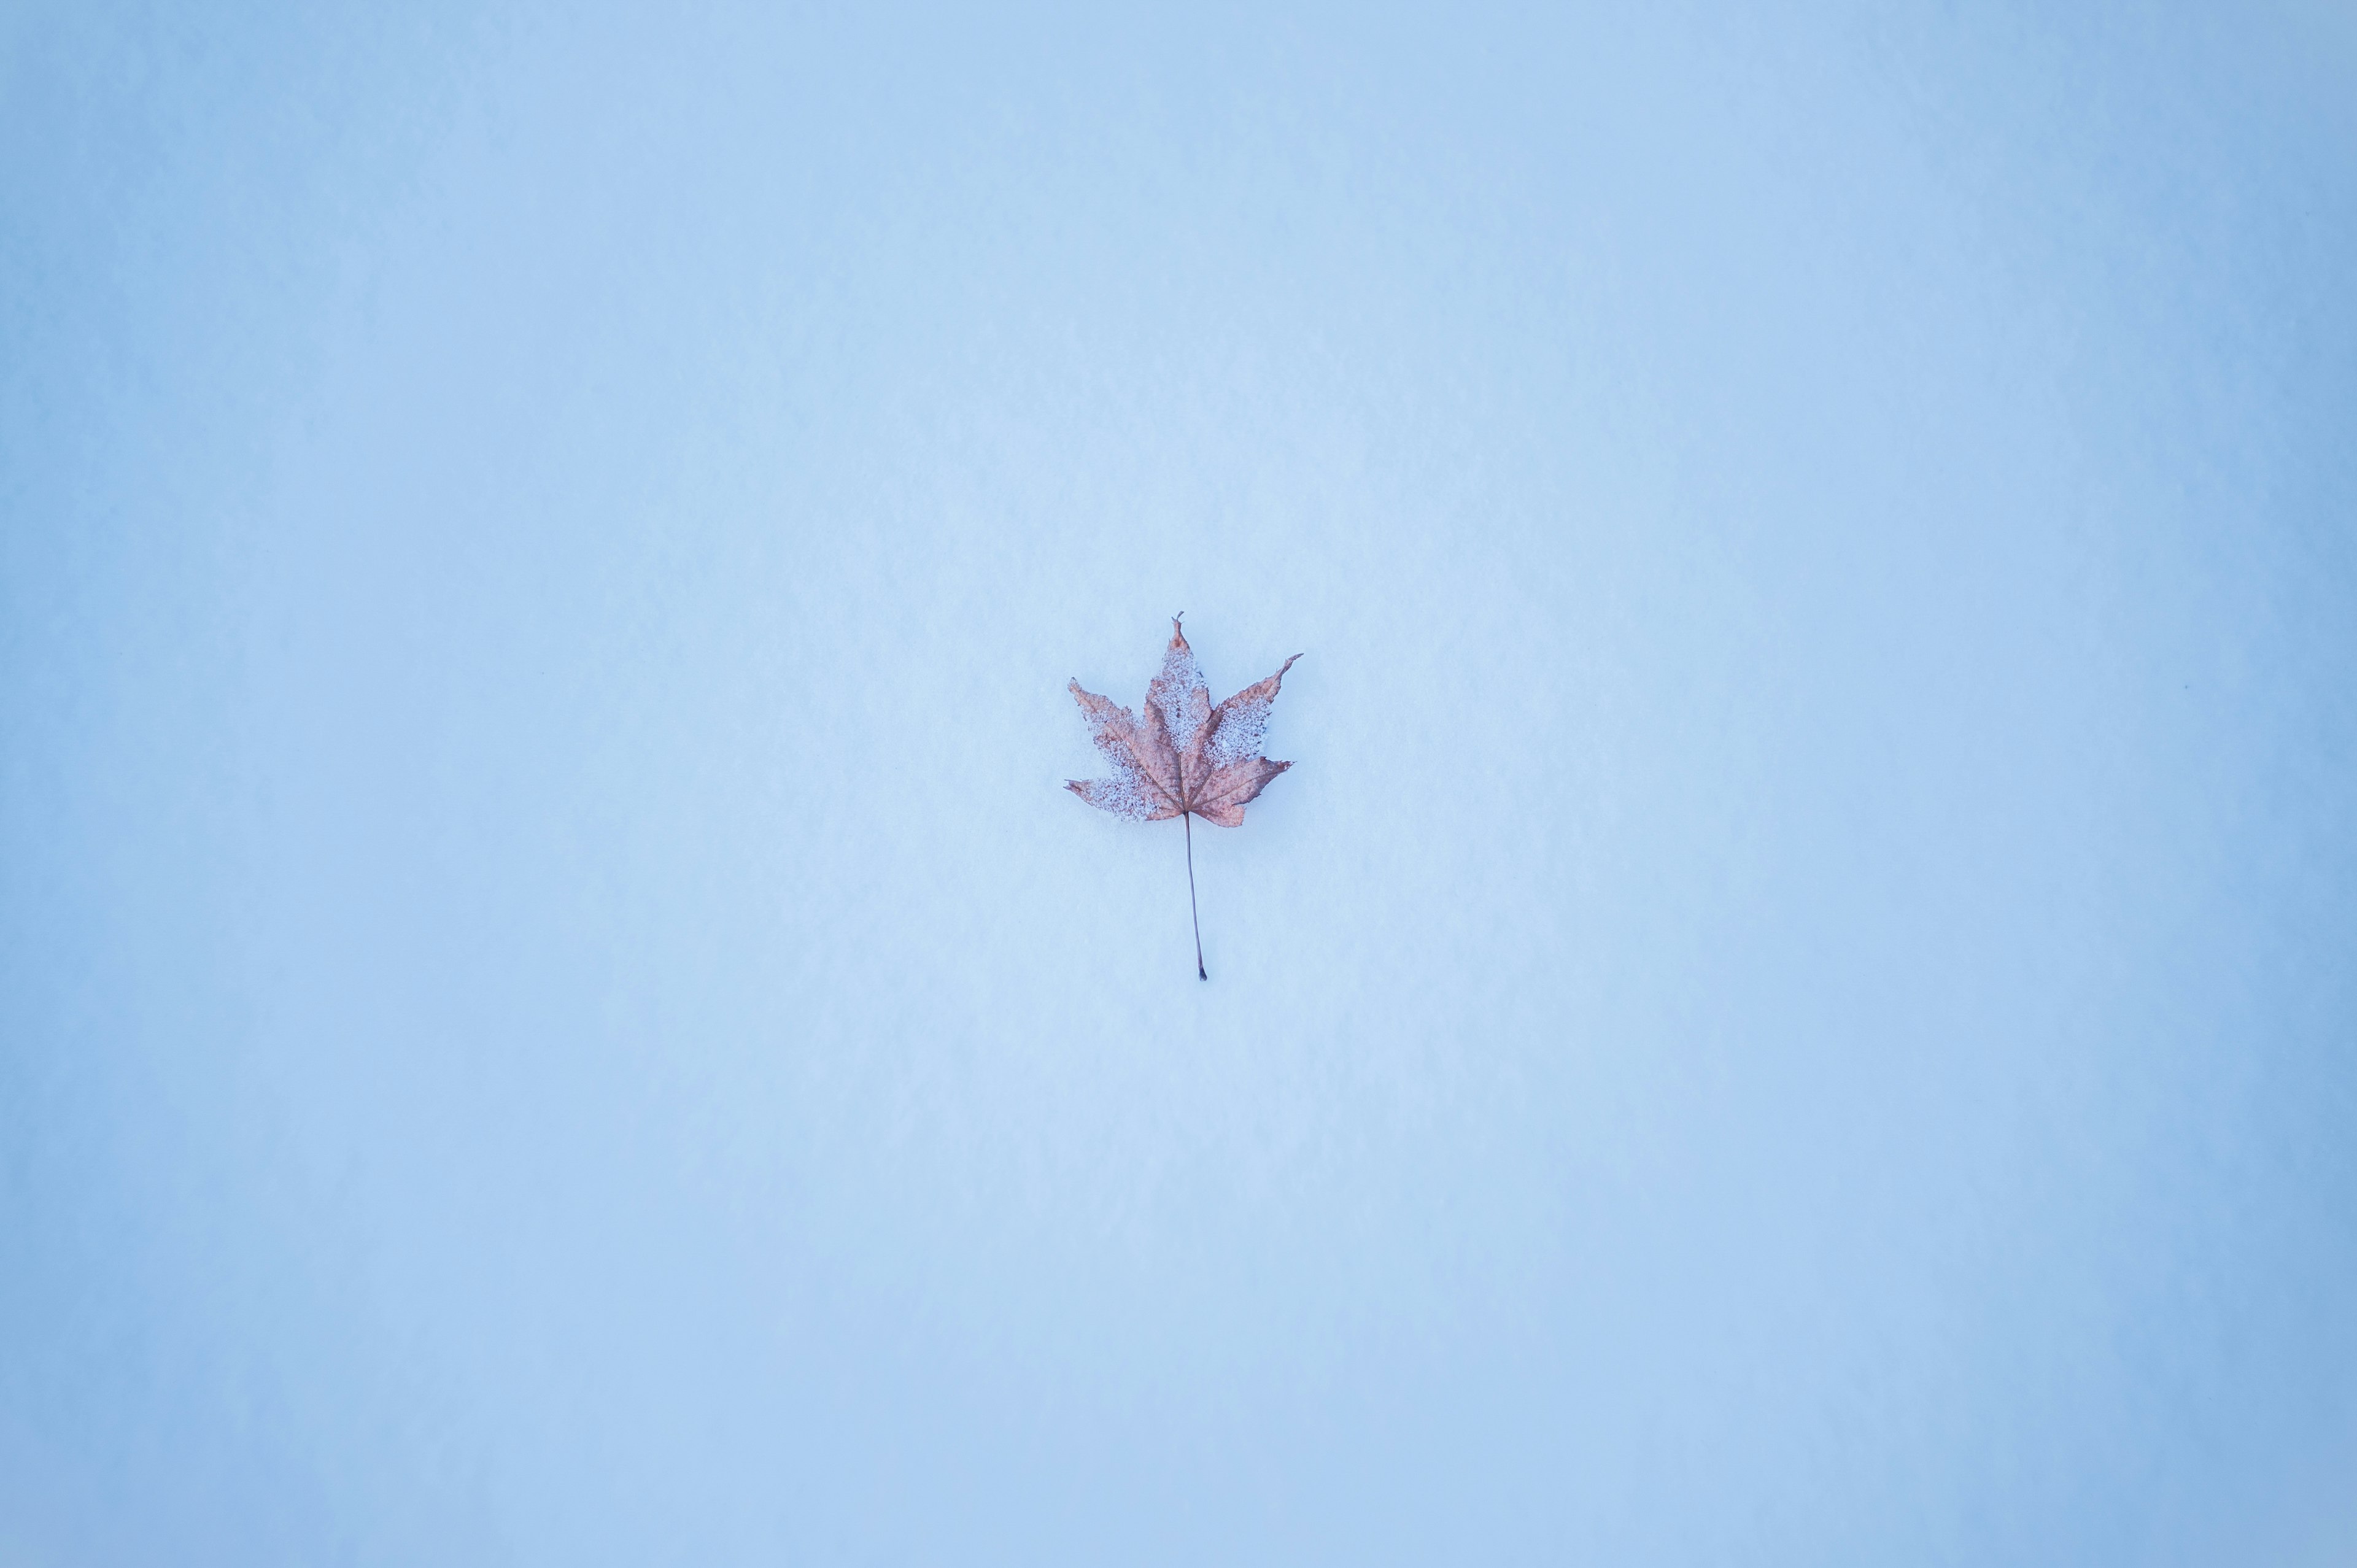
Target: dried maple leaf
[1186,758]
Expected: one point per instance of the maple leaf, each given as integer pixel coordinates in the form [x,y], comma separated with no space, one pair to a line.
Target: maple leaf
[1185,759]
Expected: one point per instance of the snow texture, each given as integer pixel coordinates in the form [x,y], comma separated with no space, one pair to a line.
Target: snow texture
[1795,1008]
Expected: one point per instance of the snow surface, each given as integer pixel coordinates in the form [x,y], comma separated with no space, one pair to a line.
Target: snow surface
[1796,1007]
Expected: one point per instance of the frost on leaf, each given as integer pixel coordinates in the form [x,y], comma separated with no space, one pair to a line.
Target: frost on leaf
[1185,759]
[1184,755]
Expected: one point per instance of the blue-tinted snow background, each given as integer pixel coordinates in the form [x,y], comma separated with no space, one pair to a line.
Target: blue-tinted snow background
[1797,1008]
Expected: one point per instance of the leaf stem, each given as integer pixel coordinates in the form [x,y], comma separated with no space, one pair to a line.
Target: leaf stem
[1189,819]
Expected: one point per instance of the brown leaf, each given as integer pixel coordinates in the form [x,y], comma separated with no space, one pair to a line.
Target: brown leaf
[1185,759]
[1184,756]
